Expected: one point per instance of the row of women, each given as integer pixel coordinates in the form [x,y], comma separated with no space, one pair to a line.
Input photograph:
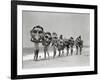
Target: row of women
[38,35]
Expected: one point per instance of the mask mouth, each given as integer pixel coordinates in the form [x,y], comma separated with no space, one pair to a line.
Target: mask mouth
[37,37]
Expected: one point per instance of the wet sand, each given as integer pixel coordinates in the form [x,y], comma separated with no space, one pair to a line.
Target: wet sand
[62,61]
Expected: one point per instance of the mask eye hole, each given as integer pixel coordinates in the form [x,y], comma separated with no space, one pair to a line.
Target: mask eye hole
[46,36]
[35,31]
[40,32]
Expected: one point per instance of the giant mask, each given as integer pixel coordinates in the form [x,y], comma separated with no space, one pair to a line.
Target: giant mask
[71,41]
[37,34]
[54,39]
[60,42]
[66,42]
[54,36]
[47,38]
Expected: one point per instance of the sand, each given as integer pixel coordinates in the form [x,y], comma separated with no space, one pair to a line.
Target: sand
[62,61]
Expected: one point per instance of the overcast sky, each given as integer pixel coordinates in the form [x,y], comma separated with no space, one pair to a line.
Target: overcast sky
[67,24]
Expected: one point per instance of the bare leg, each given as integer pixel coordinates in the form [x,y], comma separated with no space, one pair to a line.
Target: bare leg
[59,53]
[67,51]
[35,55]
[48,53]
[37,51]
[71,50]
[80,50]
[54,51]
[62,52]
[76,50]
[44,53]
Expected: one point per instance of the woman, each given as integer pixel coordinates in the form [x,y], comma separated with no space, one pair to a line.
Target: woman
[36,37]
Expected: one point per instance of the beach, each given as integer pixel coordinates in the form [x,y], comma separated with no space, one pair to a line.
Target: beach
[62,61]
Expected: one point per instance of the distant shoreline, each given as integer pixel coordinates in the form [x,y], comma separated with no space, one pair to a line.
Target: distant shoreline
[85,46]
[31,49]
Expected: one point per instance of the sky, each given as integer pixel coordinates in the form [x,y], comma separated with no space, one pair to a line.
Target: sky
[67,24]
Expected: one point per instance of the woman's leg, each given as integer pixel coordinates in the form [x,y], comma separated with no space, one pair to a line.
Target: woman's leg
[80,50]
[37,51]
[67,51]
[71,50]
[54,49]
[76,50]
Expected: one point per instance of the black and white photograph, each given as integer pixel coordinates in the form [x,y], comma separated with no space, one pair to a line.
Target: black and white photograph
[55,39]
